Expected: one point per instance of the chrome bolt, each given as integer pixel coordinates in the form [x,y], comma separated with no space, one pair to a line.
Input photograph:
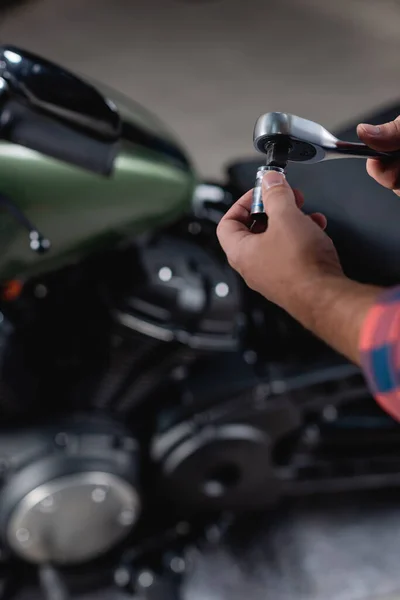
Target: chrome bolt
[177,564]
[35,244]
[122,577]
[23,535]
[213,489]
[222,289]
[126,517]
[145,579]
[250,357]
[330,413]
[41,291]
[99,494]
[165,274]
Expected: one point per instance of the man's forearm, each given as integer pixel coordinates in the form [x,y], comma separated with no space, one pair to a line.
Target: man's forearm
[334,308]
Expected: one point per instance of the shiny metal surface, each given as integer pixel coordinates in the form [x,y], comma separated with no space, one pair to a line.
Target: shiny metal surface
[152,181]
[257,205]
[257,212]
[318,143]
[73,519]
[58,92]
[216,467]
[189,447]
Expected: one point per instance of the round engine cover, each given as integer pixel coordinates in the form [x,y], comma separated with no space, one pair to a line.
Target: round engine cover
[217,467]
[73,518]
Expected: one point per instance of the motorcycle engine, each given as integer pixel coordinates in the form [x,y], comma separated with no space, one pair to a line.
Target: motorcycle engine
[178,393]
[185,295]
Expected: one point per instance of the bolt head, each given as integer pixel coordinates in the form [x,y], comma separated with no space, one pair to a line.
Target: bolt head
[145,579]
[177,565]
[165,274]
[99,494]
[23,535]
[122,577]
[40,291]
[126,517]
[330,413]
[222,289]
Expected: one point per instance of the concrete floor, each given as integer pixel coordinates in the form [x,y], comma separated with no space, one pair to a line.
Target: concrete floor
[339,548]
[208,68]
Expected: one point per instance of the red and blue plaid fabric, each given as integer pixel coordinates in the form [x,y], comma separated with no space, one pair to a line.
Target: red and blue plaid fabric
[380,351]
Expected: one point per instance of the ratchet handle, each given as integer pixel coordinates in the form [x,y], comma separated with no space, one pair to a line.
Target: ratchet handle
[353,149]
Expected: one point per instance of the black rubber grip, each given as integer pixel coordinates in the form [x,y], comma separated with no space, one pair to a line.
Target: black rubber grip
[22,125]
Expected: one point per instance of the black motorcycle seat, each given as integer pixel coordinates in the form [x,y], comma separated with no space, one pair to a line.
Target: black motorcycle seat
[363,217]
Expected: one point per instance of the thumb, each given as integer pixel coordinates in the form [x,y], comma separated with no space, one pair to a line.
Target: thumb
[385,138]
[277,193]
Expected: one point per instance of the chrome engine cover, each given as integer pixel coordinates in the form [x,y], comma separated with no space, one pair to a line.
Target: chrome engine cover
[70,491]
[73,518]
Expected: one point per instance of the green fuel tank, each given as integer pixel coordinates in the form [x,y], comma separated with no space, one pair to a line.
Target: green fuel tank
[151,184]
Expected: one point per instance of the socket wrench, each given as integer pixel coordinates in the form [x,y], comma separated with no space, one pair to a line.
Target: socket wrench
[302,141]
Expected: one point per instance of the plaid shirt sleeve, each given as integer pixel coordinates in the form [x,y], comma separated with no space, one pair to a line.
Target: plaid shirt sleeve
[380,351]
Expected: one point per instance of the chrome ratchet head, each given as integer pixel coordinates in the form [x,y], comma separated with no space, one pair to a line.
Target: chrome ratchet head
[309,141]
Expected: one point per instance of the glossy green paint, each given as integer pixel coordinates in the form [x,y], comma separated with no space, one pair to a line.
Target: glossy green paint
[81,212]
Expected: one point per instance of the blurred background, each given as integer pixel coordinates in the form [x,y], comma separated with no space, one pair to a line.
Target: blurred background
[208,68]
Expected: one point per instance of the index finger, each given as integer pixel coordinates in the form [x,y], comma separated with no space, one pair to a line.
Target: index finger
[234,225]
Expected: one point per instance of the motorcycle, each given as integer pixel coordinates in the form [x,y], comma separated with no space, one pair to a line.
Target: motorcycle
[144,389]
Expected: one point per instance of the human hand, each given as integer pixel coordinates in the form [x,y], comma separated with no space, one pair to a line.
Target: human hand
[385,138]
[291,255]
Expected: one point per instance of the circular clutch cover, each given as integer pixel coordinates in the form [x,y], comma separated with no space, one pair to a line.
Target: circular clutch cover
[74,518]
